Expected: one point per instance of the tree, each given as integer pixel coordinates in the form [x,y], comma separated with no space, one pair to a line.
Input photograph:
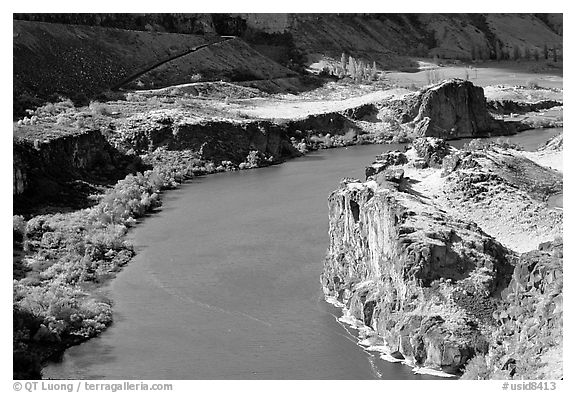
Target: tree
[360,71]
[545,51]
[516,52]
[555,54]
[343,62]
[498,50]
[351,67]
[373,72]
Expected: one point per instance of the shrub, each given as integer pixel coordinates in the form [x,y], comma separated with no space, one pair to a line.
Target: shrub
[77,250]
[18,227]
[476,369]
[63,120]
[98,108]
[135,97]
[434,76]
[533,84]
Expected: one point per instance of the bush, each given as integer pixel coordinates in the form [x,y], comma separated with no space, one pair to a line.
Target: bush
[18,228]
[63,120]
[476,369]
[71,251]
[135,97]
[98,108]
[533,84]
[434,76]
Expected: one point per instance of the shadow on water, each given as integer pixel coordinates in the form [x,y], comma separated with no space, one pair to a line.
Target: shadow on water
[316,156]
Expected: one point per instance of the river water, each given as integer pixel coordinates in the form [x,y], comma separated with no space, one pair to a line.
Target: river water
[225,284]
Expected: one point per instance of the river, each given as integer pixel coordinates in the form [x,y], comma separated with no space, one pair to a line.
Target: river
[225,284]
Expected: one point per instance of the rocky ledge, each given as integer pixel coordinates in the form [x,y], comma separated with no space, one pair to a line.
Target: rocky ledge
[432,285]
[63,168]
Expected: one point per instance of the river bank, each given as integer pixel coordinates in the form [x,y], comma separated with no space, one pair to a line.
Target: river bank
[254,252]
[65,258]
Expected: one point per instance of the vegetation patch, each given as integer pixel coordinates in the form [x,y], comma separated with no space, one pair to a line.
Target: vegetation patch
[65,258]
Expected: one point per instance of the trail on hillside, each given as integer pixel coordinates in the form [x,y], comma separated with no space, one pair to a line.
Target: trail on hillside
[172,58]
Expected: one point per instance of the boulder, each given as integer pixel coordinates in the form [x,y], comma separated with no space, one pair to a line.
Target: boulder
[384,161]
[453,109]
[431,150]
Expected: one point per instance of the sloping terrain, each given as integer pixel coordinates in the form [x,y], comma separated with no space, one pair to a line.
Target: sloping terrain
[81,61]
[525,31]
[232,60]
[388,38]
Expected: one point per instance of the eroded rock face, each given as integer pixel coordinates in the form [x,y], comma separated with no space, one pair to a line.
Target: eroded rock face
[475,172]
[507,107]
[556,143]
[406,260]
[453,109]
[214,140]
[401,265]
[532,314]
[383,161]
[42,169]
[361,112]
[431,151]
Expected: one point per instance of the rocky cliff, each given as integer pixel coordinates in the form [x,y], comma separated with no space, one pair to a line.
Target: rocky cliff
[401,267]
[453,109]
[449,110]
[58,169]
[232,140]
[214,141]
[425,282]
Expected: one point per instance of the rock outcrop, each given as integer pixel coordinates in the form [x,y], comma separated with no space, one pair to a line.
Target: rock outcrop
[507,107]
[44,168]
[530,317]
[451,109]
[454,109]
[402,267]
[219,140]
[428,284]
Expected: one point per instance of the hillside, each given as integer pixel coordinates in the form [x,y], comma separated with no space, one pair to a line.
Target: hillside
[232,60]
[390,38]
[80,56]
[81,62]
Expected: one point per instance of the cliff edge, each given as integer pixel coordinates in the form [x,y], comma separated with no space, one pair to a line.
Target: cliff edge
[430,284]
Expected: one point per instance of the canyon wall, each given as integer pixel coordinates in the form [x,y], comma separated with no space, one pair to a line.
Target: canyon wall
[402,267]
[56,168]
[408,264]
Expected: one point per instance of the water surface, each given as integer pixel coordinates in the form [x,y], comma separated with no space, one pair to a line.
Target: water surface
[226,283]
